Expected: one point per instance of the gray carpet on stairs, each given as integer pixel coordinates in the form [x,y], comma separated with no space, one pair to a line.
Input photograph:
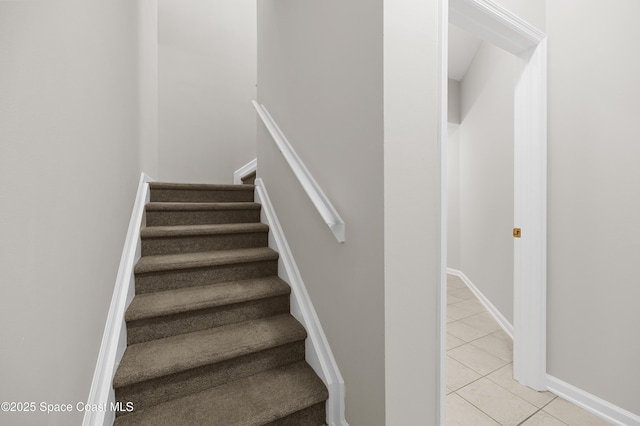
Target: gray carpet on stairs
[210,337]
[249,179]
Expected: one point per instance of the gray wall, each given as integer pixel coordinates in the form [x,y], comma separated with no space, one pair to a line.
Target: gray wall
[486,175]
[323,86]
[367,130]
[412,211]
[148,80]
[207,79]
[594,182]
[69,160]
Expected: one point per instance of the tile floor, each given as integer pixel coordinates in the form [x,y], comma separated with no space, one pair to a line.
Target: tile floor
[480,387]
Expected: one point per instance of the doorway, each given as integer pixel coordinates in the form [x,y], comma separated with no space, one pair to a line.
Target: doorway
[494,24]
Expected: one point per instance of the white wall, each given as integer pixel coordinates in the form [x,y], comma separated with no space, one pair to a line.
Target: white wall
[453,198]
[368,140]
[368,131]
[207,79]
[412,215]
[532,11]
[148,80]
[594,177]
[486,175]
[320,77]
[69,158]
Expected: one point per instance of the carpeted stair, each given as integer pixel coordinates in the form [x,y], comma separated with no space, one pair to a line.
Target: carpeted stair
[210,337]
[250,178]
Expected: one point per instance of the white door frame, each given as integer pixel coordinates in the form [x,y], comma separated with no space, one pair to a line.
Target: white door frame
[491,22]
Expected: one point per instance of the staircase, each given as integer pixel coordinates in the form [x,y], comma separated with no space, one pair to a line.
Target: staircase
[209,334]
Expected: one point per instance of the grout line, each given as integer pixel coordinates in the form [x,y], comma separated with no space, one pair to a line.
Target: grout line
[475,315]
[489,373]
[529,417]
[492,371]
[497,384]
[476,407]
[540,409]
[471,382]
[478,338]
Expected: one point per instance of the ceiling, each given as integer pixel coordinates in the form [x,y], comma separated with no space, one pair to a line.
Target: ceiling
[462,48]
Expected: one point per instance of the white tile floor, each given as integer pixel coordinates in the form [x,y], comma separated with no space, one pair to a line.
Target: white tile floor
[480,387]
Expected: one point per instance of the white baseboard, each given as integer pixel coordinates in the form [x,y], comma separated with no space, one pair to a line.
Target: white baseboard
[598,406]
[114,338]
[495,313]
[250,167]
[318,352]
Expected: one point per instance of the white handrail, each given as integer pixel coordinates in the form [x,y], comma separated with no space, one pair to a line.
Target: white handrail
[318,198]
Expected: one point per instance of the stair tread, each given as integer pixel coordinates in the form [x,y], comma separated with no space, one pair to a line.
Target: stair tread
[161,357]
[252,401]
[170,302]
[193,230]
[168,262]
[200,186]
[179,206]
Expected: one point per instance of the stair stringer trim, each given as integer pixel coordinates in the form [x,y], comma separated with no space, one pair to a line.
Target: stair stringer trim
[114,338]
[318,353]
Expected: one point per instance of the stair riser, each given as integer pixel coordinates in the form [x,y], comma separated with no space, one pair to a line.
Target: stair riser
[201,217]
[249,179]
[174,279]
[199,196]
[187,322]
[312,416]
[198,243]
[155,391]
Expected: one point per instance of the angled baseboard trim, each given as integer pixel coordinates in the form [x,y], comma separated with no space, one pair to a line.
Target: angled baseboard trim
[598,406]
[495,313]
[318,352]
[114,338]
